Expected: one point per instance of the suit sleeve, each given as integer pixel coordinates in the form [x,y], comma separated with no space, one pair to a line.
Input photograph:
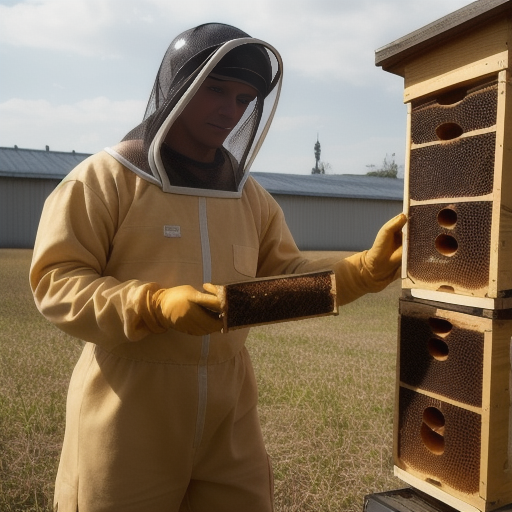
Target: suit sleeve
[279,255]
[71,251]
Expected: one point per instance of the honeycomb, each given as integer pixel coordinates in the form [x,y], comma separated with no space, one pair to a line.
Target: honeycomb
[459,168]
[447,452]
[470,109]
[456,256]
[448,363]
[278,299]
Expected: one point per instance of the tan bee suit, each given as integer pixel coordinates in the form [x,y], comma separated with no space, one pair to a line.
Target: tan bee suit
[160,422]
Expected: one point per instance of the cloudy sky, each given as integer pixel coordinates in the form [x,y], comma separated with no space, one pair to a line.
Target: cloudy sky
[76,74]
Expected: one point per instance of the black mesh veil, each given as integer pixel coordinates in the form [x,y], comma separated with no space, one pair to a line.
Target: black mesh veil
[203,51]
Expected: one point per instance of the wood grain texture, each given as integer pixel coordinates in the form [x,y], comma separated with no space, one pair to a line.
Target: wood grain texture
[392,56]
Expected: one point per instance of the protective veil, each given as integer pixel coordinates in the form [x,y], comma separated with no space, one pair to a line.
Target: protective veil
[222,52]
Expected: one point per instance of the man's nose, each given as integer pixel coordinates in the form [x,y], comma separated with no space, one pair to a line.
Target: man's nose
[228,106]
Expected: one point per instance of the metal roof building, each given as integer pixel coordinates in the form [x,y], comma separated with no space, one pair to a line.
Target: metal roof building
[27,176]
[334,211]
[324,212]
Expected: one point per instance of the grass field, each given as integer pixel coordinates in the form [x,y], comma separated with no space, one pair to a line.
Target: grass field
[326,399]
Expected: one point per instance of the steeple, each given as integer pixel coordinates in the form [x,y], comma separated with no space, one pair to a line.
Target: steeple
[316,169]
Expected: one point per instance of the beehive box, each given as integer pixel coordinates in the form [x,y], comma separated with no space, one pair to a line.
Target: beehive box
[453,407]
[458,176]
[453,424]
[458,201]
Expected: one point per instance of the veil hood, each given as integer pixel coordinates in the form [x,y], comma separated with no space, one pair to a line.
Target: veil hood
[223,52]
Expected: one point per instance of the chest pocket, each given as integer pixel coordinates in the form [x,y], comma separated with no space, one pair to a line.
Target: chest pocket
[245,260]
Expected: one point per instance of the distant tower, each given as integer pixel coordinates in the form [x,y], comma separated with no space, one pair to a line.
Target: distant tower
[316,169]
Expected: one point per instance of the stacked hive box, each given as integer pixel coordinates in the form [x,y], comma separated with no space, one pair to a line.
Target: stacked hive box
[453,403]
[458,223]
[453,428]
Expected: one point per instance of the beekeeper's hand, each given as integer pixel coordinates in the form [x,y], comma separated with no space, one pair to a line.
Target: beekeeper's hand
[187,310]
[383,261]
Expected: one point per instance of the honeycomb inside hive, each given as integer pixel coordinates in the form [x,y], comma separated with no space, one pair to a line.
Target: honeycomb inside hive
[440,441]
[441,357]
[269,300]
[453,255]
[459,168]
[471,108]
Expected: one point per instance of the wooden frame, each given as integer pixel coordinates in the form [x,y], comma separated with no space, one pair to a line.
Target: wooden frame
[456,52]
[278,299]
[495,488]
[497,293]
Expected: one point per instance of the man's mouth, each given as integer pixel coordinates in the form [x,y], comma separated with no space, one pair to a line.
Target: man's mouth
[225,128]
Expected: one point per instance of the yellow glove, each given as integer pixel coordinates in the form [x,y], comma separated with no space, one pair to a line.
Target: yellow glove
[383,261]
[371,271]
[186,309]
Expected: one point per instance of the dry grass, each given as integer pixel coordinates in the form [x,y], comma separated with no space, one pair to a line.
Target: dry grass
[326,399]
[36,361]
[326,404]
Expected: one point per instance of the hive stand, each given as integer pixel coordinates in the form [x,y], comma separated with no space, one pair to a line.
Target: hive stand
[453,427]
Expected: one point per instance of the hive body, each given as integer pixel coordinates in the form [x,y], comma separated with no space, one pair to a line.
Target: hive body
[452,409]
[453,419]
[459,194]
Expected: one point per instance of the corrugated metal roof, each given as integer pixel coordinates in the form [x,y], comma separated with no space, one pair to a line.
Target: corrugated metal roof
[332,185]
[35,163]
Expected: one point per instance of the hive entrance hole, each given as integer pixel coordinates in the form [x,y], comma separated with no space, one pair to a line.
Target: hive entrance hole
[438,349]
[432,430]
[452,97]
[440,326]
[449,131]
[446,289]
[446,245]
[447,218]
[437,483]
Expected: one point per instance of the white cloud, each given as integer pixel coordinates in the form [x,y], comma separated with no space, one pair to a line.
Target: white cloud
[336,40]
[326,44]
[325,39]
[87,125]
[57,24]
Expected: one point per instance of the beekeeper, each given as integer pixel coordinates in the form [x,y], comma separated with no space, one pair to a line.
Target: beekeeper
[161,411]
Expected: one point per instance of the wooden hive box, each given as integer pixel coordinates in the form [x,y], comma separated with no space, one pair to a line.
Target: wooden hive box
[453,422]
[458,176]
[451,429]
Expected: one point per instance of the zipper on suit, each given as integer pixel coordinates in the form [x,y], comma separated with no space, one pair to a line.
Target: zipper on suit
[202,370]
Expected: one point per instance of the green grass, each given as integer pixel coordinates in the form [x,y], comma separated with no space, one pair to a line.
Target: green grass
[326,399]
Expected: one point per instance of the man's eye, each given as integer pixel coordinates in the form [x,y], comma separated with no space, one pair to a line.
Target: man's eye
[215,89]
[245,101]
